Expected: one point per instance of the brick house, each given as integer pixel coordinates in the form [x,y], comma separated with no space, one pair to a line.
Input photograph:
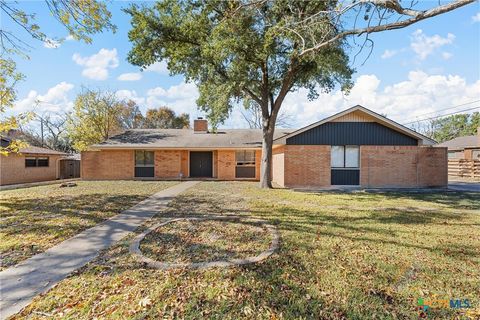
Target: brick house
[353,147]
[31,164]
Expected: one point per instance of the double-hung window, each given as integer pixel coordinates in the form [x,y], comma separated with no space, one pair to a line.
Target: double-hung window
[144,163]
[31,162]
[345,157]
[245,164]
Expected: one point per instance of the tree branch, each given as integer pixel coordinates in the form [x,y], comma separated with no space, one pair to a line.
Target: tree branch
[416,16]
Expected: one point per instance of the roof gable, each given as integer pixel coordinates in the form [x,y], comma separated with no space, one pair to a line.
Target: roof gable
[360,114]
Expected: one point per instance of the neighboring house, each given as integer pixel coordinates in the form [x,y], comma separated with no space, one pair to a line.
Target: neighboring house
[466,147]
[31,164]
[353,147]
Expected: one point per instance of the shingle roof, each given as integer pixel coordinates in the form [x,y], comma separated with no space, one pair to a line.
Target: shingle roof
[5,141]
[39,150]
[187,138]
[460,143]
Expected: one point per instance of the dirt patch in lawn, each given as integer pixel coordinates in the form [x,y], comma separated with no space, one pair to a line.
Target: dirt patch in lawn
[191,242]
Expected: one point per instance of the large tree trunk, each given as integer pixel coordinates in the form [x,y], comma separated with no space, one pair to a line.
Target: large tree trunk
[266,162]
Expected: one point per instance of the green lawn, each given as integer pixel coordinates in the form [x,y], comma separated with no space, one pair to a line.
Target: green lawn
[35,219]
[355,256]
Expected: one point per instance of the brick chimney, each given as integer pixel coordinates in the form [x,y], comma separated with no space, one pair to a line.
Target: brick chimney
[200,125]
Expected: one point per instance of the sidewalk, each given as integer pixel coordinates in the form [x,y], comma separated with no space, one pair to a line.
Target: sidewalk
[21,283]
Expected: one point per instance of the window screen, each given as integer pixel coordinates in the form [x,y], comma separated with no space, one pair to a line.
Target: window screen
[338,157]
[30,162]
[42,162]
[245,157]
[345,157]
[36,162]
[144,158]
[352,156]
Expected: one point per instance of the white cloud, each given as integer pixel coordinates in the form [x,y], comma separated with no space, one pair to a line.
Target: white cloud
[476,18]
[69,38]
[419,94]
[131,76]
[388,54]
[181,98]
[130,95]
[96,66]
[446,55]
[424,45]
[54,100]
[51,43]
[158,67]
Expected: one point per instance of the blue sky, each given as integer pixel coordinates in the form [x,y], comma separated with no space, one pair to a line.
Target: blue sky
[432,65]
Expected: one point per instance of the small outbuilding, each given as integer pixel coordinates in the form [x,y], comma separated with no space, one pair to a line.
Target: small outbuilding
[30,164]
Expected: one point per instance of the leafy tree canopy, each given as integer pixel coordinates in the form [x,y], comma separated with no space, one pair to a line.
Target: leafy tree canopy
[81,18]
[455,126]
[231,59]
[95,118]
[165,118]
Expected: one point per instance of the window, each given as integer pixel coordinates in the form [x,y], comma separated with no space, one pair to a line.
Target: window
[455,154]
[245,157]
[345,157]
[42,162]
[30,162]
[144,164]
[245,160]
[144,158]
[352,157]
[36,162]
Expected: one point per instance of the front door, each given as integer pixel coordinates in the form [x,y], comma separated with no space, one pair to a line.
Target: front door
[201,164]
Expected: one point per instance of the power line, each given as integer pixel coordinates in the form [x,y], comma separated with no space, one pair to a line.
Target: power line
[443,115]
[453,107]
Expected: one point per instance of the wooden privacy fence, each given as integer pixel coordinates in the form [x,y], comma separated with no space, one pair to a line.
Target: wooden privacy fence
[464,168]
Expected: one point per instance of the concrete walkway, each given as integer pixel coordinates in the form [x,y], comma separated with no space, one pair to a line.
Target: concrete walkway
[20,284]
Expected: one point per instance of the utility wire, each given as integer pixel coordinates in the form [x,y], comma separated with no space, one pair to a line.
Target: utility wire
[453,107]
[443,115]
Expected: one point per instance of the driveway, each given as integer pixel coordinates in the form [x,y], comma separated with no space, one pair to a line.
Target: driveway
[464,186]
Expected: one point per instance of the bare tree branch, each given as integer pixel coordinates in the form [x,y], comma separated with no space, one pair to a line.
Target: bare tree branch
[394,5]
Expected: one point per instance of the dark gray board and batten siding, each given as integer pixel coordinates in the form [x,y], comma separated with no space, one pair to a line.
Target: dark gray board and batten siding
[352,133]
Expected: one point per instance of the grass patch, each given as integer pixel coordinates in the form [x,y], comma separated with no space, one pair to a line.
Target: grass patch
[355,256]
[187,241]
[35,219]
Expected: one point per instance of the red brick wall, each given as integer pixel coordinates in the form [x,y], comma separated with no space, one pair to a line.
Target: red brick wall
[258,162]
[200,125]
[307,166]
[107,165]
[13,170]
[433,167]
[168,164]
[120,164]
[226,164]
[185,162]
[403,166]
